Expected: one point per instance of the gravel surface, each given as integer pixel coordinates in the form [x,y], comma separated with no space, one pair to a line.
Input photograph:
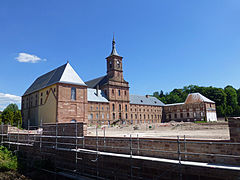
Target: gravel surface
[213,131]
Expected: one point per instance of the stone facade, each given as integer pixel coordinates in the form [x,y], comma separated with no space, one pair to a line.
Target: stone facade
[119,106]
[198,108]
[61,96]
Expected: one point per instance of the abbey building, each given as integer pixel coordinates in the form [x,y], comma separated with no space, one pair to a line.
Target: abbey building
[61,96]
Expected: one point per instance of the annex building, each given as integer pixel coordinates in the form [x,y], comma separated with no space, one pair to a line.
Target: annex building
[61,96]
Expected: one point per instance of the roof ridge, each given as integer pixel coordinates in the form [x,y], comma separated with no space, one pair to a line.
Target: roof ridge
[55,72]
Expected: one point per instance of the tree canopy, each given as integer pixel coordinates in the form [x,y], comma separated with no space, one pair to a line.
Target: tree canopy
[11,115]
[227,100]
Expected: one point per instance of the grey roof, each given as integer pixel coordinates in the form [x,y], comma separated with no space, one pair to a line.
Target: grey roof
[143,100]
[97,82]
[63,74]
[94,97]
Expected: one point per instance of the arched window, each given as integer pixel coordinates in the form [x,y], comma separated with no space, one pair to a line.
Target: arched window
[113,115]
[73,93]
[120,107]
[126,116]
[119,92]
[110,64]
[113,107]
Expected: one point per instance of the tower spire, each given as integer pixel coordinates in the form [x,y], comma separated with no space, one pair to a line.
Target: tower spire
[114,51]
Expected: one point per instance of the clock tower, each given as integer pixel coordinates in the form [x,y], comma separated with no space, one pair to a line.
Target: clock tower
[114,64]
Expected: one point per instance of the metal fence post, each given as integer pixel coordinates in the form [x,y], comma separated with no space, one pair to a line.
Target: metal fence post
[179,158]
[104,139]
[131,153]
[18,137]
[56,140]
[28,131]
[185,147]
[9,138]
[97,150]
[41,131]
[76,140]
[2,133]
[137,144]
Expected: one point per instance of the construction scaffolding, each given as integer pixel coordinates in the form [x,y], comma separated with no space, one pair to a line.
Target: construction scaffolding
[74,155]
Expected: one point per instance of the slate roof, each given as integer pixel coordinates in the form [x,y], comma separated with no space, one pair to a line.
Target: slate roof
[92,95]
[97,82]
[62,74]
[143,100]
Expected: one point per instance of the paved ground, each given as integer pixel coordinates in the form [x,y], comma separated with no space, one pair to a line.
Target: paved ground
[213,131]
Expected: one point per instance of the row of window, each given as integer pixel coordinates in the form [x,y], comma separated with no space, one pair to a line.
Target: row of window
[97,108]
[119,107]
[145,110]
[126,116]
[201,114]
[119,92]
[186,106]
[132,122]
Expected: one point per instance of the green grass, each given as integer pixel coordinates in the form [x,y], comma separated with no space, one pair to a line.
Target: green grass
[200,122]
[8,161]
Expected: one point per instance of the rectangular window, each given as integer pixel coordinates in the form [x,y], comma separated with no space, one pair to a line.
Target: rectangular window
[119,93]
[126,107]
[73,93]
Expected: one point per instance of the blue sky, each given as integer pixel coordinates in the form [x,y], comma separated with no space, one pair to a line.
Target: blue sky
[165,44]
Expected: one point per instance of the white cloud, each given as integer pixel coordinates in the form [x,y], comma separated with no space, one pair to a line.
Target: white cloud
[6,99]
[28,58]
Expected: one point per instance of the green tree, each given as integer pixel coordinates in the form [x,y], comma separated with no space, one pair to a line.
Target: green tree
[238,96]
[18,118]
[12,115]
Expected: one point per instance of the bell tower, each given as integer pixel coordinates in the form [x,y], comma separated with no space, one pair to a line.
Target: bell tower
[114,64]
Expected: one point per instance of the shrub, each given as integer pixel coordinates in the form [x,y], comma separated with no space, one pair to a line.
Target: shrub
[8,161]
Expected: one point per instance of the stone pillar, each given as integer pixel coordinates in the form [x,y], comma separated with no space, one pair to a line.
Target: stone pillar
[234,129]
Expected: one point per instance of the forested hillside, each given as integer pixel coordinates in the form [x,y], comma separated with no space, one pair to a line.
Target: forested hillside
[227,100]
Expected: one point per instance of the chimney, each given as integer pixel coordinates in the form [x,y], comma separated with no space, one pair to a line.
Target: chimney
[97,90]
